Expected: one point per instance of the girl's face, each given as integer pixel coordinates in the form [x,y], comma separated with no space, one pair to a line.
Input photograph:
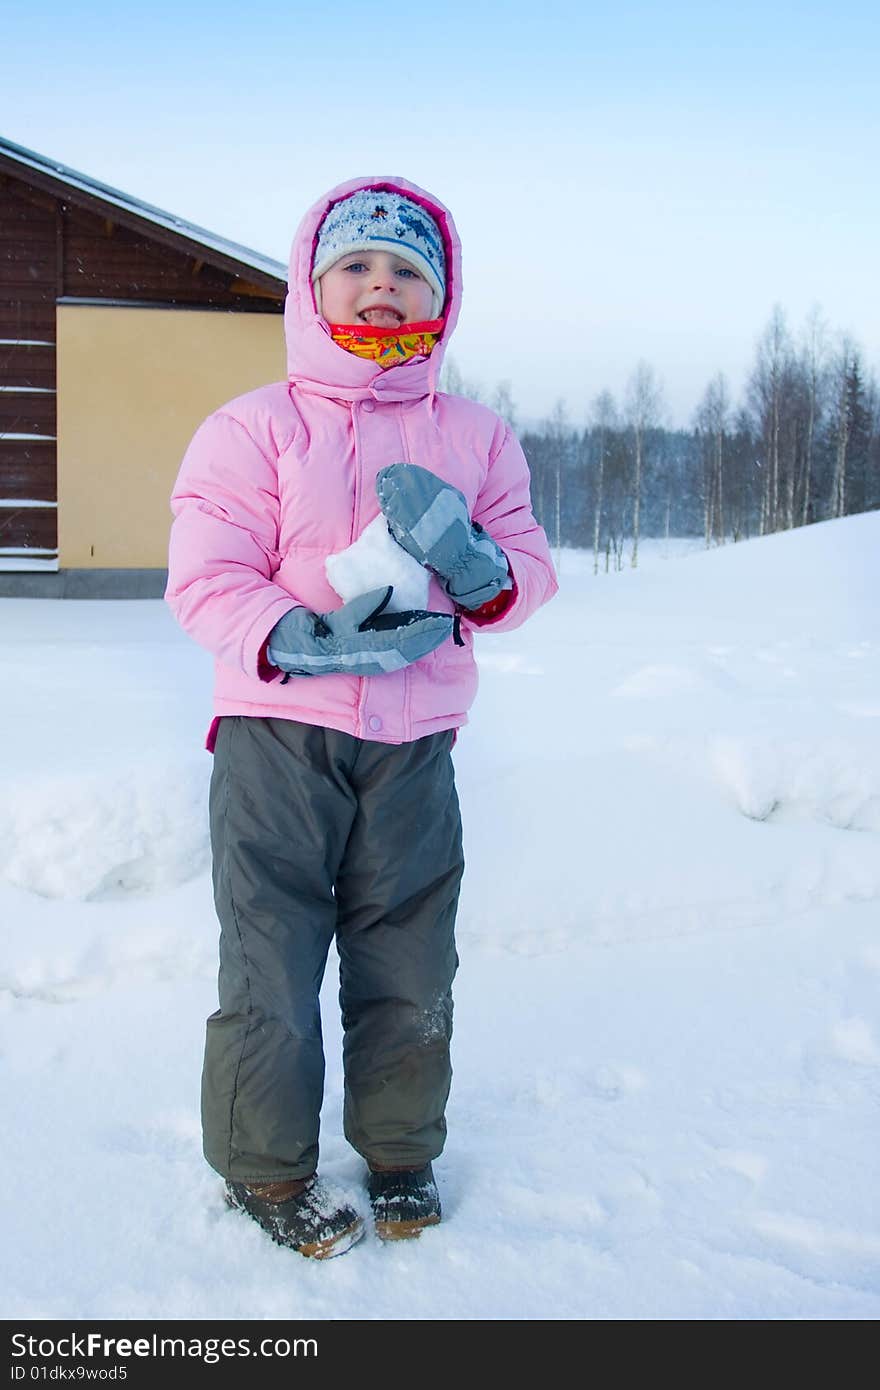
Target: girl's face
[376,288]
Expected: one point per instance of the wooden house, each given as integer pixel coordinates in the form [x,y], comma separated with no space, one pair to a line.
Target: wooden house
[121,328]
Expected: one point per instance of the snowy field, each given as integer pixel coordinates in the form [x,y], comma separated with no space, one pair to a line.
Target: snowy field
[667,1046]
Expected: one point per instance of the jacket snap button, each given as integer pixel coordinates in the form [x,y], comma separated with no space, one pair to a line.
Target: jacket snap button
[374,722]
[368,406]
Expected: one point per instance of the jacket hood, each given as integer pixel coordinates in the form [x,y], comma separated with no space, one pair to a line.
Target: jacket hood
[314,362]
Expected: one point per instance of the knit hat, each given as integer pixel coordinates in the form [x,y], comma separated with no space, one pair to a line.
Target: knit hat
[373,219]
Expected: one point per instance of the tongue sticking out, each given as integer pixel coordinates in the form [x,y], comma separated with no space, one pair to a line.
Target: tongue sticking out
[380,318]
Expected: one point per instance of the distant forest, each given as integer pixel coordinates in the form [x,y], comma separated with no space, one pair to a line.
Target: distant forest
[802,446]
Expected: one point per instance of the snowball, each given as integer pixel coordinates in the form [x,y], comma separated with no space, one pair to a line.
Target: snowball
[374,560]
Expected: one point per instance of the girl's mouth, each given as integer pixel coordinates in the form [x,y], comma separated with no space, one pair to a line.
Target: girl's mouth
[381,316]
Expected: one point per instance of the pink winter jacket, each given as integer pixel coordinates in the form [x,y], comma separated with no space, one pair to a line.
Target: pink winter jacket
[278,479]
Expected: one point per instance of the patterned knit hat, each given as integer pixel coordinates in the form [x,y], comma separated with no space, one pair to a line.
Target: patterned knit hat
[372,219]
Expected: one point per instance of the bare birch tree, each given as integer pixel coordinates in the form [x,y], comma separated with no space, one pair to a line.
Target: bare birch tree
[644,398]
[841,371]
[604,420]
[814,368]
[559,435]
[766,389]
[872,406]
[452,381]
[502,404]
[712,419]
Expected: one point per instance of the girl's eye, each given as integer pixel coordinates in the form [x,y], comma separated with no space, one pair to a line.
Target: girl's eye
[356,265]
[408,270]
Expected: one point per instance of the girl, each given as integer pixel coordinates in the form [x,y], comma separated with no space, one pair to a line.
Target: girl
[332,806]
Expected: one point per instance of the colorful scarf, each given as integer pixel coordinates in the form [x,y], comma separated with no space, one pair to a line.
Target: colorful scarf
[388,347]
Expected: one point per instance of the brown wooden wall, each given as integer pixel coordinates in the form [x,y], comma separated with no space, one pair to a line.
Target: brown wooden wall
[105,261]
[52,248]
[28,289]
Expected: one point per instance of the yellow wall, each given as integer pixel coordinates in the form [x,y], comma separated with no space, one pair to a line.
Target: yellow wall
[133,385]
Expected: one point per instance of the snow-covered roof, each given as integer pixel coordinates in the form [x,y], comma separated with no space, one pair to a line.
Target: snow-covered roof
[210,240]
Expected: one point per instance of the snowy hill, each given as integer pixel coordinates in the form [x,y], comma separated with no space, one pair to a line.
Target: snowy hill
[667,1047]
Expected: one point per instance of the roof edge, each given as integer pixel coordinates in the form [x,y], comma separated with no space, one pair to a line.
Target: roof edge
[169,221]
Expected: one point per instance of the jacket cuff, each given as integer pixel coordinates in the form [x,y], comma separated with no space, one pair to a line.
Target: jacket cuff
[254,653]
[265,670]
[493,608]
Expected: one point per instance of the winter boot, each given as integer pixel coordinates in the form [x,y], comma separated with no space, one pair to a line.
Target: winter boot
[404,1201]
[302,1213]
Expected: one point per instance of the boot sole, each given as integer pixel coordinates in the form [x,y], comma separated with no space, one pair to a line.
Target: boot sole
[334,1245]
[404,1230]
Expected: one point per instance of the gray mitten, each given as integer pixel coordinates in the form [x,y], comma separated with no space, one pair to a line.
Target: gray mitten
[430,519]
[358,638]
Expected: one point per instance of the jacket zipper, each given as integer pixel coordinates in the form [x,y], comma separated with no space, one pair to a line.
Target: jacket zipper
[407,673]
[355,508]
[355,501]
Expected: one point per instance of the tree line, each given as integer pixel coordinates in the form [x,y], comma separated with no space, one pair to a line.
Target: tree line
[803,445]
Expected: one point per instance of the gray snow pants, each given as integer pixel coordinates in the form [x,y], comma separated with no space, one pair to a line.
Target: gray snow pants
[316,833]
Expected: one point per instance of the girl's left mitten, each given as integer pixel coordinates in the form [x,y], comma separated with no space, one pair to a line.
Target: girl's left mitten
[430,519]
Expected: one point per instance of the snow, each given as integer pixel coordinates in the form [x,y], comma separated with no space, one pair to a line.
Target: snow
[374,560]
[667,1042]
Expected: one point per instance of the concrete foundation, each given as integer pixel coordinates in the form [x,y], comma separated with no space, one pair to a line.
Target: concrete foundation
[86,583]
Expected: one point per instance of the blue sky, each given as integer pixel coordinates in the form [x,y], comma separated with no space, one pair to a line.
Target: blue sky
[629,181]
